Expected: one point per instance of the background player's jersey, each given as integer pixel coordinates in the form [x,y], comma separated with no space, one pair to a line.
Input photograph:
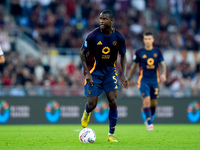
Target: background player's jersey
[102,51]
[148,61]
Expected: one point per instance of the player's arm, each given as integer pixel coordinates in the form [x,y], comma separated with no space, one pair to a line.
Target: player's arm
[124,66]
[88,76]
[2,59]
[132,70]
[163,71]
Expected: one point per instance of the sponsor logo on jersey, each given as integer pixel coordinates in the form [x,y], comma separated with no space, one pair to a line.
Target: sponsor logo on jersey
[106,50]
[155,55]
[150,63]
[105,56]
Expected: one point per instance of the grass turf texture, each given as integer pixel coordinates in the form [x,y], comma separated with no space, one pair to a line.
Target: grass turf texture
[65,137]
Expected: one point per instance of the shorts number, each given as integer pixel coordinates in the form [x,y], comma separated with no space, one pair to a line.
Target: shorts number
[114,78]
[156,91]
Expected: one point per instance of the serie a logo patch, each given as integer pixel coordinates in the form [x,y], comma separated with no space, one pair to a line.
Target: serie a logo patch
[85,43]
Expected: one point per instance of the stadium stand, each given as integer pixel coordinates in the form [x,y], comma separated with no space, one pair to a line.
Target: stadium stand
[41,41]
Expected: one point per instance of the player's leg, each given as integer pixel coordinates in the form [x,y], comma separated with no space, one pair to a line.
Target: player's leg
[111,85]
[154,96]
[91,103]
[92,93]
[145,92]
[154,103]
[147,111]
[113,114]
[89,107]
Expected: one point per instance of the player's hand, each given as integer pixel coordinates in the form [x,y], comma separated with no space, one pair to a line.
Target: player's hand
[124,82]
[163,78]
[89,79]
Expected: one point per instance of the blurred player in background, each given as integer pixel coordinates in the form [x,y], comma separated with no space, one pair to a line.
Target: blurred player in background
[149,60]
[2,57]
[99,56]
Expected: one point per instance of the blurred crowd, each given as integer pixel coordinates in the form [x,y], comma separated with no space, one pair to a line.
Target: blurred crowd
[34,77]
[65,24]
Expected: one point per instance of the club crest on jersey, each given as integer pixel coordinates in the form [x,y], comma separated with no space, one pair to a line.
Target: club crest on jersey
[99,43]
[85,43]
[114,43]
[155,55]
[144,56]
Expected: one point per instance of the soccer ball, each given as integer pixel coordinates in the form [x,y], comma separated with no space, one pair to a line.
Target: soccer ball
[87,135]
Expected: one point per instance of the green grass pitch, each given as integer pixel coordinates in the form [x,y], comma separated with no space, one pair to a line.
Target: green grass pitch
[130,137]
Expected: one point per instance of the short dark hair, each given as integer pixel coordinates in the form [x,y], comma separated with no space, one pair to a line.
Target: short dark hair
[148,33]
[108,12]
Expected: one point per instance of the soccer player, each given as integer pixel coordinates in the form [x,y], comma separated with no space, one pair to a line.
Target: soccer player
[2,57]
[149,60]
[99,56]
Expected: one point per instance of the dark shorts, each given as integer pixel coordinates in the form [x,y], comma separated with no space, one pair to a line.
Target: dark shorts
[149,89]
[107,83]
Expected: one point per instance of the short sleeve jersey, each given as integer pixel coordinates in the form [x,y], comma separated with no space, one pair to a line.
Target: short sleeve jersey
[148,61]
[102,51]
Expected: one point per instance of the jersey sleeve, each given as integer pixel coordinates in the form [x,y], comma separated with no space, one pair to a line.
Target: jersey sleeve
[1,51]
[160,57]
[122,49]
[136,57]
[86,43]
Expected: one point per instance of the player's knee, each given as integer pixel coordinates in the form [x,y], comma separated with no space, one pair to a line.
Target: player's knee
[146,101]
[92,104]
[146,104]
[113,104]
[154,103]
